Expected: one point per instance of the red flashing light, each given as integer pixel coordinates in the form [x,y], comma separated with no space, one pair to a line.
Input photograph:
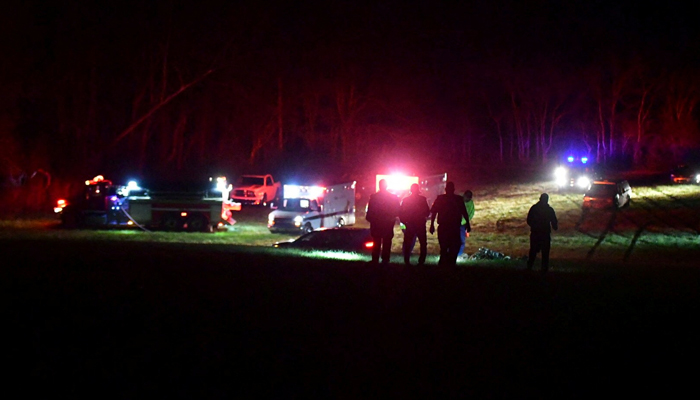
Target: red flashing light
[96,180]
[369,245]
[183,214]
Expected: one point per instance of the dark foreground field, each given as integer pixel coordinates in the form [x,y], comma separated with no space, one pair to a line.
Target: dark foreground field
[134,320]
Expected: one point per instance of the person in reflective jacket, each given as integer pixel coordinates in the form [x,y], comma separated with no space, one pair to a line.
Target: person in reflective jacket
[469,204]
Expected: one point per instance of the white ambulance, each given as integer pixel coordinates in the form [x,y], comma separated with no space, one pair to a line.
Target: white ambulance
[306,208]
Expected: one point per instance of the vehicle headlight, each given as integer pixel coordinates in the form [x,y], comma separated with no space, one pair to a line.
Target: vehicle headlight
[697,178]
[270,219]
[298,220]
[583,182]
[560,172]
[560,176]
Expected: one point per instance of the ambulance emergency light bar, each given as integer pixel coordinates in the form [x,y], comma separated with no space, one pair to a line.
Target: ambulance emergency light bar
[397,182]
[303,192]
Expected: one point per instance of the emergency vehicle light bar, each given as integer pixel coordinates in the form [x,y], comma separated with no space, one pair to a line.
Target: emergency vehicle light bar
[398,182]
[95,180]
[303,192]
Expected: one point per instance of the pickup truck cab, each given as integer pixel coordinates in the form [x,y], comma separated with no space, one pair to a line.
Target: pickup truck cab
[255,190]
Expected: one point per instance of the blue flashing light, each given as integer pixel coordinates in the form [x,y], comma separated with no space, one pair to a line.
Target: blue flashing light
[584,159]
[570,159]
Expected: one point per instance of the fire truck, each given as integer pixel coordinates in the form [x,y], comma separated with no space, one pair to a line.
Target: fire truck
[306,208]
[105,204]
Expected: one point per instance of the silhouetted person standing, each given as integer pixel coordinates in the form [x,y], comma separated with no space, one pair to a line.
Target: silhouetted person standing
[382,210]
[541,219]
[413,213]
[468,197]
[449,209]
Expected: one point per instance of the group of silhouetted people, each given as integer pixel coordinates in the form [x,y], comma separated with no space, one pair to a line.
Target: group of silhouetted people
[449,209]
[453,214]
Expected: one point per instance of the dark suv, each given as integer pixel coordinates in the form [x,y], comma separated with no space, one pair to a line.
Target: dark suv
[685,174]
[356,240]
[606,194]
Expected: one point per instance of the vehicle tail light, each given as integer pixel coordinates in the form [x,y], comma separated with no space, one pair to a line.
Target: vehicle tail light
[60,205]
[369,245]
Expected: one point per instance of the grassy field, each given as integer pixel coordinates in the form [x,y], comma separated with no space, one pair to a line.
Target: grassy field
[661,226]
[131,314]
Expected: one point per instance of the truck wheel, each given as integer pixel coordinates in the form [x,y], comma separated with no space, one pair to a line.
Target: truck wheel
[171,222]
[264,200]
[340,223]
[308,228]
[197,223]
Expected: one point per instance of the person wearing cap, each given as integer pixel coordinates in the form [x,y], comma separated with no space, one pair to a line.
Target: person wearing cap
[469,204]
[382,211]
[542,219]
[413,213]
[449,210]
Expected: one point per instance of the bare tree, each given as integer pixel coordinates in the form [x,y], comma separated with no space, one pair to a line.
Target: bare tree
[160,104]
[349,105]
[678,114]
[642,115]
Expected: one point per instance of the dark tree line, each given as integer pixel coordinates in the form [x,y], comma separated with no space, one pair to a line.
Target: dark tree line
[164,88]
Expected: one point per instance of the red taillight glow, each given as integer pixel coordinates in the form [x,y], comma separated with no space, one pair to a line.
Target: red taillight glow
[369,245]
[60,205]
[232,206]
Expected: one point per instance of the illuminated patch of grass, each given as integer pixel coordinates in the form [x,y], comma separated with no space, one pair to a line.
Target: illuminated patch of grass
[322,254]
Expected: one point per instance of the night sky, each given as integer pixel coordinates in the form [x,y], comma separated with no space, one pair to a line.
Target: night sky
[280,85]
